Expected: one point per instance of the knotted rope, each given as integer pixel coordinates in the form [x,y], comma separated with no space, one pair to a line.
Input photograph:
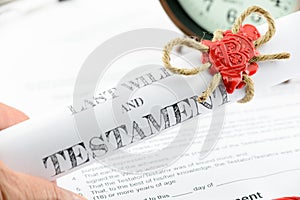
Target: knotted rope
[218,35]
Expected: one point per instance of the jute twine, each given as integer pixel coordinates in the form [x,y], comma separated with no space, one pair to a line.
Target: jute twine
[218,35]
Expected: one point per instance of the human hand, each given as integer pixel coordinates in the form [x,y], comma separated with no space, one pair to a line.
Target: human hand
[19,186]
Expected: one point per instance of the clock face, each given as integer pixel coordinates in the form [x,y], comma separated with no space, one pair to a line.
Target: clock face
[196,17]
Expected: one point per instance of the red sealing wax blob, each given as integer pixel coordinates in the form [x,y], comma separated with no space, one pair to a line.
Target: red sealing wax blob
[231,55]
[289,198]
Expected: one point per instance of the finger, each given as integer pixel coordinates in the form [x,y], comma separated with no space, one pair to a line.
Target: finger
[10,116]
[19,186]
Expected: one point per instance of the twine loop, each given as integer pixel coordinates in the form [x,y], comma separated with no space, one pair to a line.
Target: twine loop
[218,35]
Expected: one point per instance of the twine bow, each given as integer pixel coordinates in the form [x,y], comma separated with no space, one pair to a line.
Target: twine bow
[228,72]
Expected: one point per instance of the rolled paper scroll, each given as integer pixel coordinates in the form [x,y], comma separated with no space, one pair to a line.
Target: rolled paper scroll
[231,56]
[51,146]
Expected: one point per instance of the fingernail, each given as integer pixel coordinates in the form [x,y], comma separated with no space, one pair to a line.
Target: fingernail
[67,195]
[77,197]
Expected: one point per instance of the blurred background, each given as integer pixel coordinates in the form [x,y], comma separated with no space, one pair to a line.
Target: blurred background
[43,44]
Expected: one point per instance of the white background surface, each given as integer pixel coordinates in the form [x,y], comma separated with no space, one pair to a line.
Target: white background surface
[43,47]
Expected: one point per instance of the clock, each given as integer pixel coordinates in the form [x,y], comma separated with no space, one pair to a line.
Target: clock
[202,17]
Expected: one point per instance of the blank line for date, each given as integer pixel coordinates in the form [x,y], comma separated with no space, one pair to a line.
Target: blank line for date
[179,195]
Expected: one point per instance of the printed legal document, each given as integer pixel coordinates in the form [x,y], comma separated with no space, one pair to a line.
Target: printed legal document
[256,157]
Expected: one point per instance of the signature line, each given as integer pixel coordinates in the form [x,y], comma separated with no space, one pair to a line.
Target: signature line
[178,195]
[258,177]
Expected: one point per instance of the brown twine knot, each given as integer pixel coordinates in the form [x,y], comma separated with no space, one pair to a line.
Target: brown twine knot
[218,35]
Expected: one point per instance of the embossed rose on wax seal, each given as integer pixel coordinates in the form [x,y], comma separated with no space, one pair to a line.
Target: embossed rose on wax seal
[231,56]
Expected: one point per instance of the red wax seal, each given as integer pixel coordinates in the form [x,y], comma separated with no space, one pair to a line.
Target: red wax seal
[289,198]
[231,55]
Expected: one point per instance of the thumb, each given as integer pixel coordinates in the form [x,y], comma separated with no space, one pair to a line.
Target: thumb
[19,186]
[10,116]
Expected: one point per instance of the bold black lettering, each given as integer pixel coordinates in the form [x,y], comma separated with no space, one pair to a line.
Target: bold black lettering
[194,98]
[117,135]
[158,126]
[125,109]
[182,109]
[138,130]
[224,95]
[98,146]
[138,102]
[55,162]
[208,103]
[82,154]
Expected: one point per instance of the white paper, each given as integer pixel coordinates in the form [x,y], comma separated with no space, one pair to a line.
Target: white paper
[49,142]
[257,157]
[43,49]
[52,146]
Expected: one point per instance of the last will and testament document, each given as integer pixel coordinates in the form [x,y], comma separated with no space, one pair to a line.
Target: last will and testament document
[257,156]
